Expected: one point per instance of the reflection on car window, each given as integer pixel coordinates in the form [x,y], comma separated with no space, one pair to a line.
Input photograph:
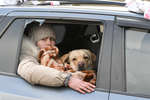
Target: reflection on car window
[138,61]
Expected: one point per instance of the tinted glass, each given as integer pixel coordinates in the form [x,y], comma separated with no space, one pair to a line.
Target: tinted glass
[9,44]
[137,61]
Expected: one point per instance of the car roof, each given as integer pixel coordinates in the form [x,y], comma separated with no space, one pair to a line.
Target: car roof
[81,8]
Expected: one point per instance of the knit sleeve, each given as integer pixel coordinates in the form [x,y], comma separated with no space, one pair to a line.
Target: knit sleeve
[34,73]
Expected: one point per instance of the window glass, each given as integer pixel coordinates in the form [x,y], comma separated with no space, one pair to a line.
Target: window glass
[137,51]
[9,44]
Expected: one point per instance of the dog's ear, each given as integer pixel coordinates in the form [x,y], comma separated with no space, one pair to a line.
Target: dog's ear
[40,55]
[93,56]
[65,58]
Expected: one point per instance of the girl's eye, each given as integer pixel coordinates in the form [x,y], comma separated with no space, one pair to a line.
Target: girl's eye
[52,39]
[43,39]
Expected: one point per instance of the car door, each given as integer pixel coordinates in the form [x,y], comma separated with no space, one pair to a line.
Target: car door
[12,86]
[130,60]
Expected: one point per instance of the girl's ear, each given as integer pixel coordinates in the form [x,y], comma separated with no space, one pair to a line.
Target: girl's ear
[65,58]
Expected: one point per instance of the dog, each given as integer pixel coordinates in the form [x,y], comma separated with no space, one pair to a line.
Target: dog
[81,62]
[78,62]
[49,58]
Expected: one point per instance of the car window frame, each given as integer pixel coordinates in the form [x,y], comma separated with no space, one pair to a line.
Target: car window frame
[104,60]
[121,24]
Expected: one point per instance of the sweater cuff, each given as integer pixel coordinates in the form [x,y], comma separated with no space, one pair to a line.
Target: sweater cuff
[67,79]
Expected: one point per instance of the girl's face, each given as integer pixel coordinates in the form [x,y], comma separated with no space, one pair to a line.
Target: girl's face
[45,42]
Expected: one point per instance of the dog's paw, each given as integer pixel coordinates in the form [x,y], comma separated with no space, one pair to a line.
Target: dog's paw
[93,81]
[88,77]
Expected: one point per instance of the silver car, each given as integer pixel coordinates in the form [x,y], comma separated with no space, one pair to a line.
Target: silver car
[119,38]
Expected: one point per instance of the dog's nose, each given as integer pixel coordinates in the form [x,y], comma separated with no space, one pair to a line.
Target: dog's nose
[81,64]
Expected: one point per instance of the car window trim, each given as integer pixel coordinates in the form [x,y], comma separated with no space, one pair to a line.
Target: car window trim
[133,22]
[61,15]
[117,70]
[105,57]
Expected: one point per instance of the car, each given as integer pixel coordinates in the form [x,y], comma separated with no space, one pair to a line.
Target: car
[119,38]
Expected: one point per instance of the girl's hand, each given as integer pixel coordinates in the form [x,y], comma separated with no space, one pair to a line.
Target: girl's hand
[80,86]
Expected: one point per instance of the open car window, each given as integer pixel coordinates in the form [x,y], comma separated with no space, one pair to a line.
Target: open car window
[73,35]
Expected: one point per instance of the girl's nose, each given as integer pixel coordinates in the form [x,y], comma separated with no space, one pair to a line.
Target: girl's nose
[48,41]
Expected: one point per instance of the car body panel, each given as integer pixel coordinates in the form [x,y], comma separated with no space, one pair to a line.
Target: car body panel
[114,96]
[16,86]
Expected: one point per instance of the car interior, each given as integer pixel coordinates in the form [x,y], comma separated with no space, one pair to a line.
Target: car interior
[72,35]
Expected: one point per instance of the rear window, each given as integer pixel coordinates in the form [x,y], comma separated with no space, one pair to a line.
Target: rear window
[137,51]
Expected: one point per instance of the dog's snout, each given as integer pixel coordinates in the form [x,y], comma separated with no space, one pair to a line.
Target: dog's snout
[81,64]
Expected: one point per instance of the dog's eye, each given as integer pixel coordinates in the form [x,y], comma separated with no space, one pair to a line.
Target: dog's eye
[74,59]
[86,57]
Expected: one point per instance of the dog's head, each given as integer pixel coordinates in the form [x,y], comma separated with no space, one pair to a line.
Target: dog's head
[80,59]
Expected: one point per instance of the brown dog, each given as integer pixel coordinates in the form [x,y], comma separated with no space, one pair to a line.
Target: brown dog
[81,62]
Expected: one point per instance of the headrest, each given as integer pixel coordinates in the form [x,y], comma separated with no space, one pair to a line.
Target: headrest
[60,32]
